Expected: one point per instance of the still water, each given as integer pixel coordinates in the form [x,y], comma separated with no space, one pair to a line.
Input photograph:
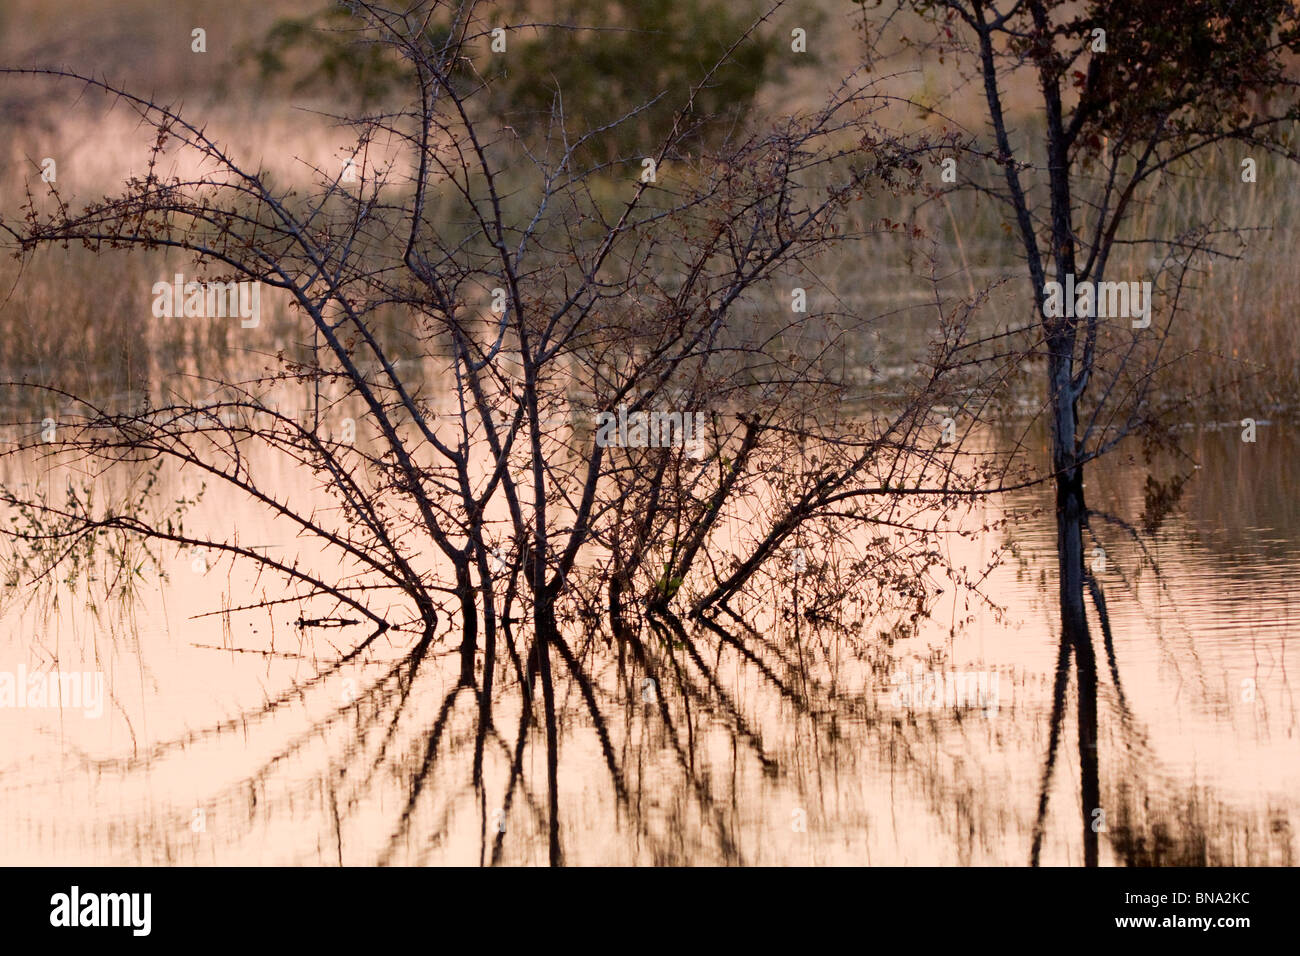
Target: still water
[243,739]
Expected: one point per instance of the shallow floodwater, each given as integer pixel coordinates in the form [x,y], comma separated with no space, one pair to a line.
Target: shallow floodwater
[240,740]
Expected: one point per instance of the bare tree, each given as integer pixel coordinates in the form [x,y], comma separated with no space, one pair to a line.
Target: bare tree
[1129,95]
[617,382]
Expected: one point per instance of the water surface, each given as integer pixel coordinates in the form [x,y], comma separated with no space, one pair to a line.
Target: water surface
[242,740]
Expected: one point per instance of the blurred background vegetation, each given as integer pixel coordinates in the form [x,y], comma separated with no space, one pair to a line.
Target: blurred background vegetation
[277,73]
[629,60]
